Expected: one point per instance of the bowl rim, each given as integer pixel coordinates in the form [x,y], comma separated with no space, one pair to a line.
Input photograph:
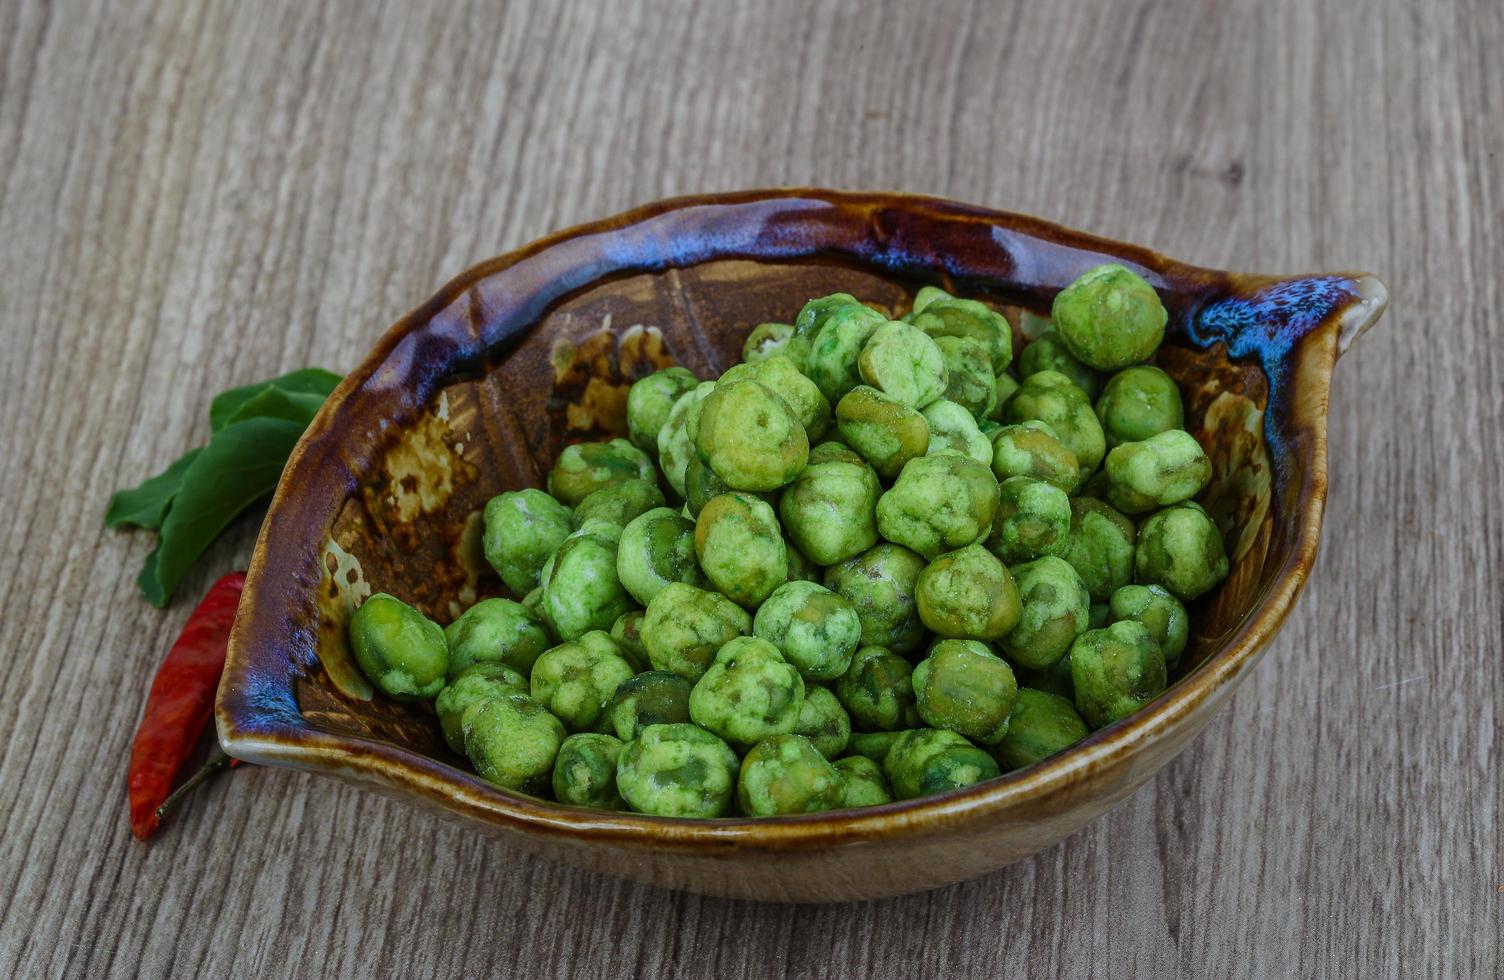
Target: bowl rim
[248,728]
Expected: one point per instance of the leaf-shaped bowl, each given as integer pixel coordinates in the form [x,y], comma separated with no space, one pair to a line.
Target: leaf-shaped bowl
[476,390]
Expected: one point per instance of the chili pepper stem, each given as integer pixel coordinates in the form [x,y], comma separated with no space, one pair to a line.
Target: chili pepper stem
[217,760]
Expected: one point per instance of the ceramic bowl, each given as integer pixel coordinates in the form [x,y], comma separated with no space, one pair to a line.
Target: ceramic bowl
[475,391]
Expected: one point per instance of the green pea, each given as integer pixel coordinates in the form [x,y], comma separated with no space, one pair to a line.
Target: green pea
[657,549]
[877,690]
[954,430]
[1054,679]
[875,745]
[750,437]
[814,313]
[1116,670]
[967,594]
[495,631]
[512,741]
[476,683]
[823,721]
[627,633]
[1109,318]
[938,504]
[1100,547]
[1048,352]
[970,381]
[585,771]
[816,630]
[684,627]
[947,316]
[1033,520]
[787,774]
[830,509]
[677,771]
[884,431]
[879,583]
[783,377]
[800,568]
[1056,608]
[675,444]
[749,693]
[767,340]
[966,688]
[864,783]
[655,697]
[925,761]
[1031,449]
[576,680]
[580,589]
[1161,470]
[586,467]
[835,347]
[1052,398]
[1181,549]
[903,363]
[649,402]
[1137,403]
[1042,725]
[522,528]
[401,651]
[619,503]
[741,548]
[1004,390]
[1159,612]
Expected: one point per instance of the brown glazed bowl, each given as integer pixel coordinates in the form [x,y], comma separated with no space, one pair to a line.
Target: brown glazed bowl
[475,391]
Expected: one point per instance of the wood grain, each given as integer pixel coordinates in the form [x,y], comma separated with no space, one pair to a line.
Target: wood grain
[197,194]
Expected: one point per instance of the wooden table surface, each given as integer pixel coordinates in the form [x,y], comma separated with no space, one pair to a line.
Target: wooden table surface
[198,194]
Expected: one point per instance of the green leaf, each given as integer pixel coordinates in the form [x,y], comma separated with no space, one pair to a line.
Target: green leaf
[240,465]
[228,405]
[146,505]
[278,403]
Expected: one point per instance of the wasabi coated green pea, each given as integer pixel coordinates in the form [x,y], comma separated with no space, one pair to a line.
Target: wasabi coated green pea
[939,504]
[522,528]
[835,346]
[749,693]
[1116,670]
[813,315]
[1042,724]
[816,630]
[495,631]
[882,430]
[1109,318]
[576,680]
[1100,547]
[580,589]
[879,584]
[767,340]
[830,510]
[1161,470]
[989,428]
[1031,449]
[657,549]
[675,444]
[649,401]
[627,632]
[823,721]
[1160,613]
[953,430]
[1052,398]
[512,741]
[1006,388]
[782,377]
[400,650]
[749,436]
[533,603]
[786,774]
[966,688]
[677,771]
[934,760]
[1137,403]
[1096,487]
[1033,520]
[585,467]
[1181,549]
[476,683]
[1056,609]
[801,569]
[1055,679]
[947,316]
[740,548]
[654,697]
[684,627]
[875,745]
[903,363]
[877,690]
[1048,352]
[864,784]
[1099,616]
[585,771]
[967,594]
[620,503]
[970,381]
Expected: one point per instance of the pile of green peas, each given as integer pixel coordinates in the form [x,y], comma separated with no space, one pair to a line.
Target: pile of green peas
[867,563]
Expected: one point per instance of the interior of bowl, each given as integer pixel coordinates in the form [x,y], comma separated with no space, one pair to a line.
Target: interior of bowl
[477,391]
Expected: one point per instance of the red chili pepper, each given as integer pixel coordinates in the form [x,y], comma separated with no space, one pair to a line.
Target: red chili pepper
[180,704]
